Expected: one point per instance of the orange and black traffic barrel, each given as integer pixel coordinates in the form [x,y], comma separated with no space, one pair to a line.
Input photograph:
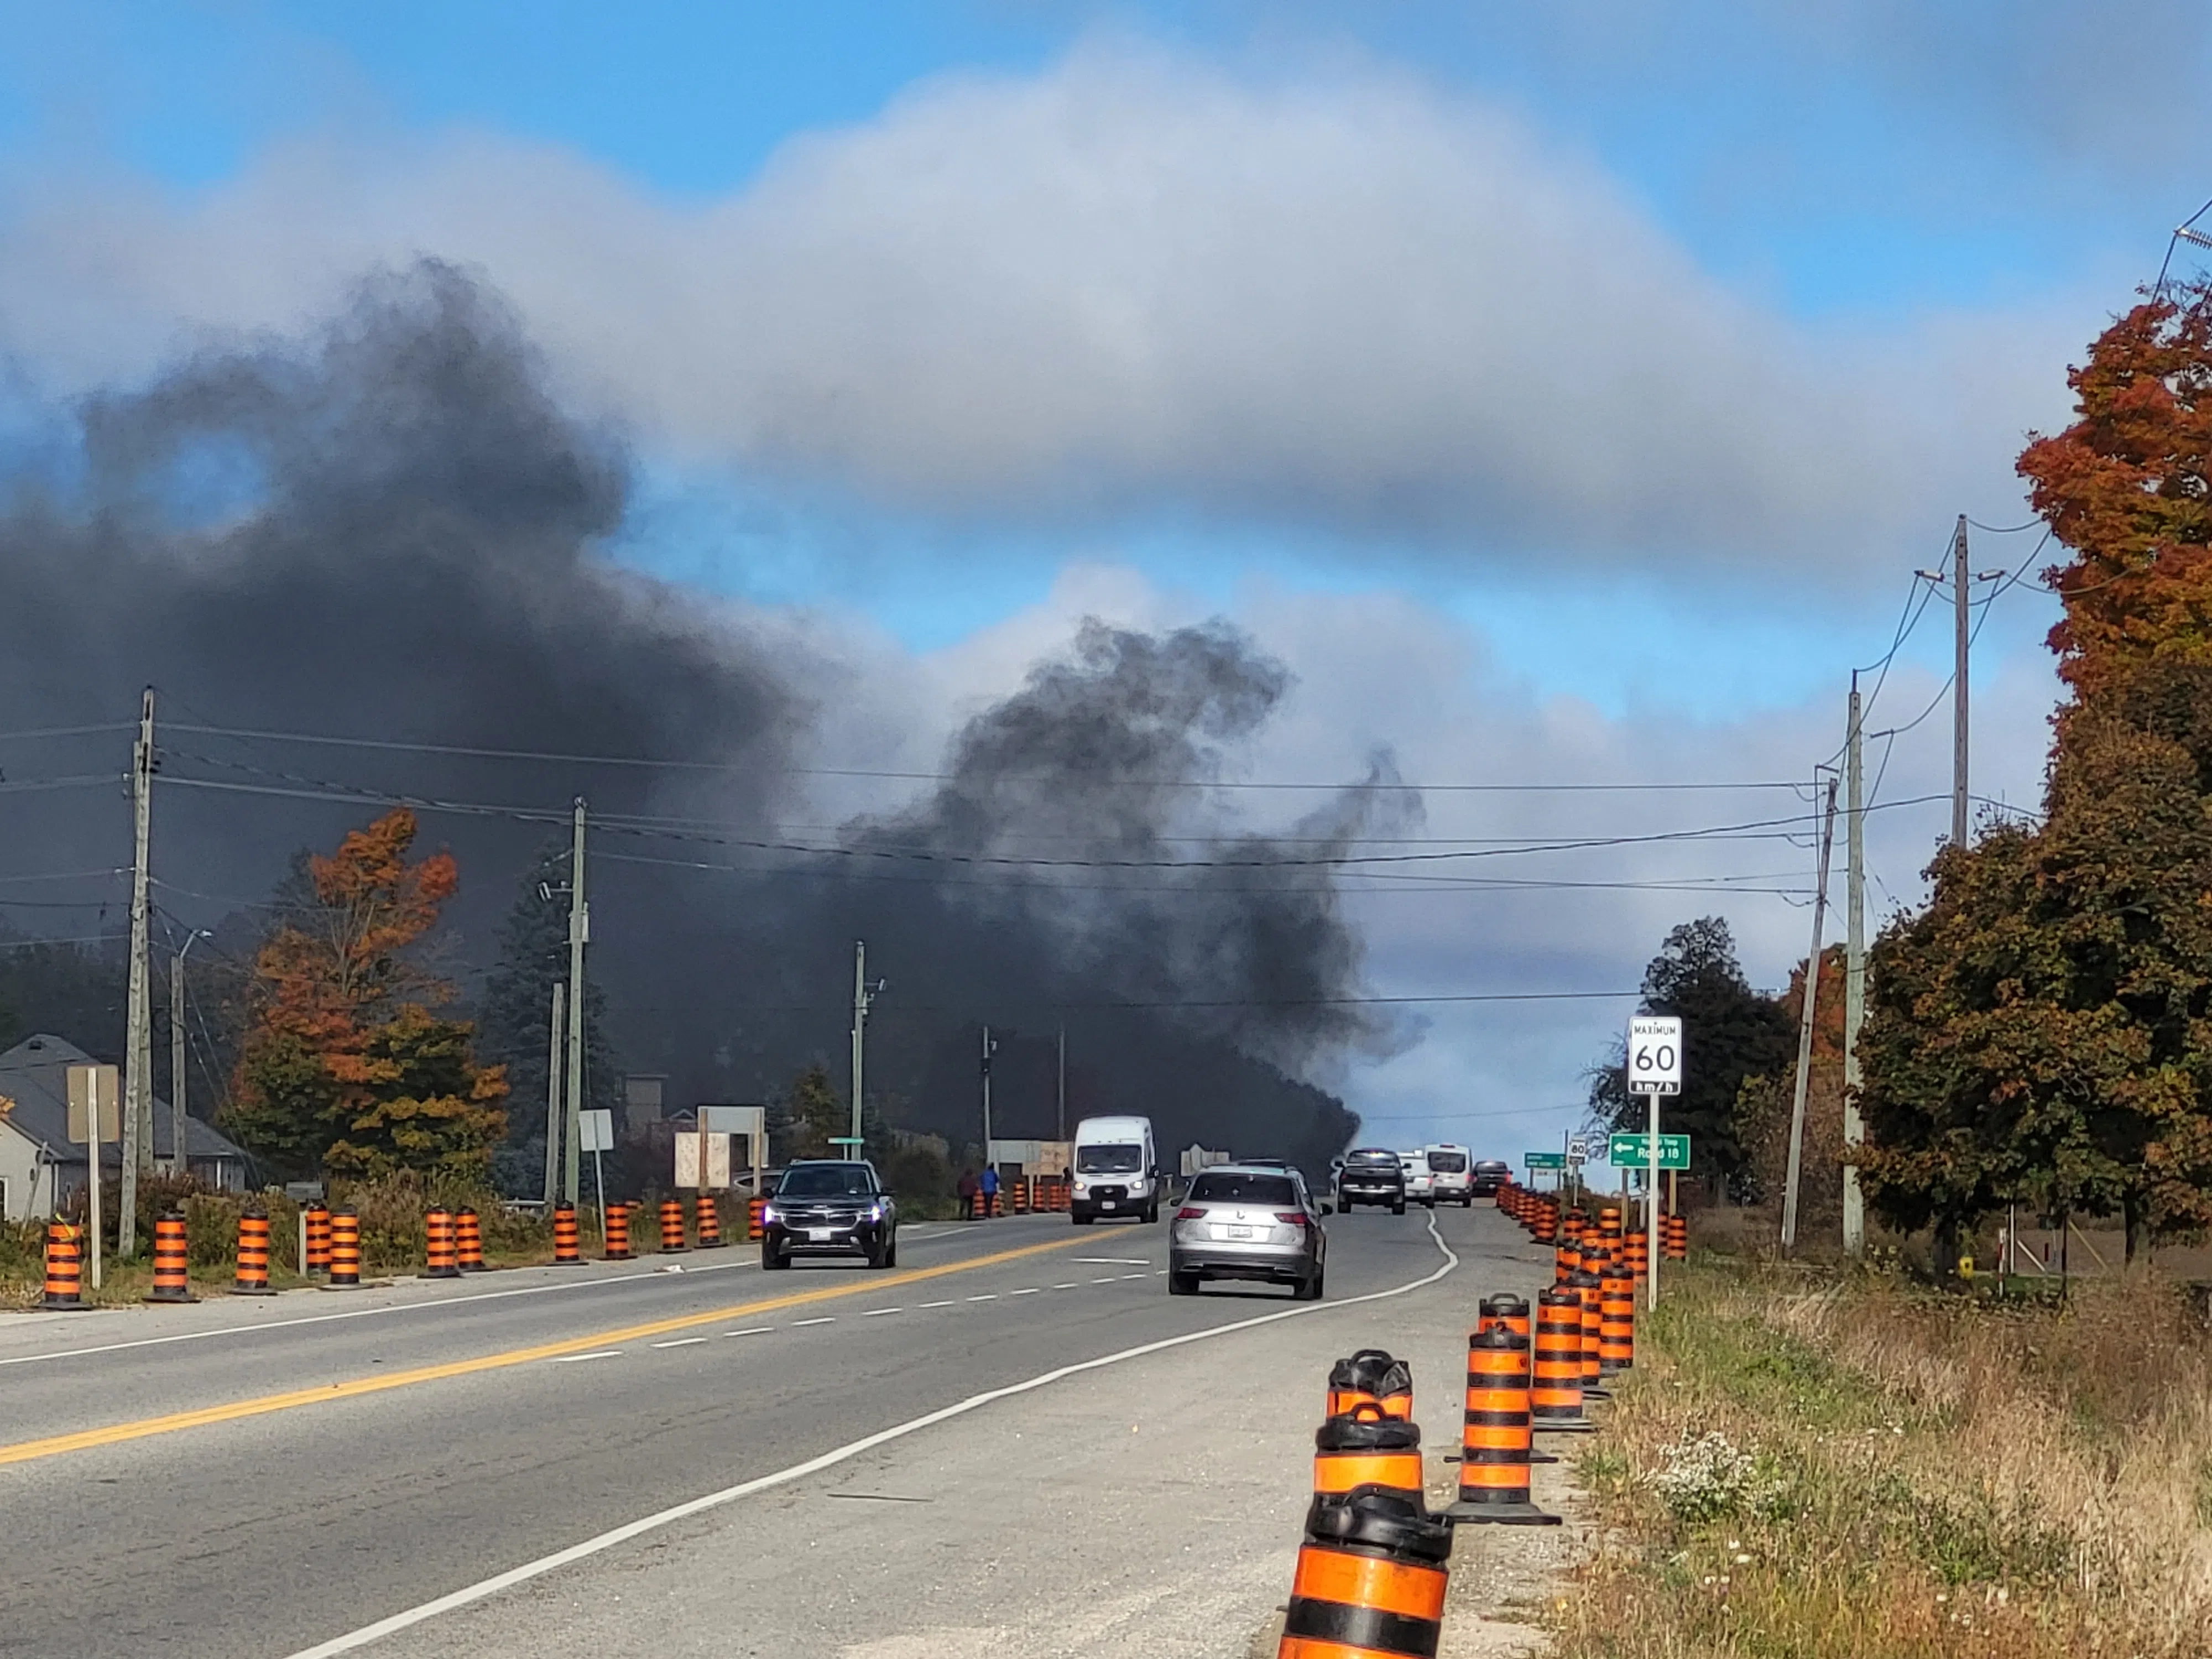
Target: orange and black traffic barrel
[1638,1250]
[317,1216]
[1373,1376]
[567,1244]
[617,1238]
[672,1227]
[1616,1349]
[1571,1226]
[468,1240]
[173,1277]
[442,1257]
[1547,1220]
[1506,1310]
[755,1229]
[345,1249]
[1608,1223]
[709,1210]
[1566,1259]
[1674,1237]
[1495,1445]
[1590,1289]
[1555,1391]
[1364,1450]
[252,1255]
[1370,1581]
[64,1266]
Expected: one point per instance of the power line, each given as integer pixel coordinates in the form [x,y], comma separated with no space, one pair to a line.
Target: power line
[68,731]
[750,768]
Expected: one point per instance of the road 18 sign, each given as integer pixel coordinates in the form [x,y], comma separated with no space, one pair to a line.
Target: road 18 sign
[1633,1152]
[1655,1054]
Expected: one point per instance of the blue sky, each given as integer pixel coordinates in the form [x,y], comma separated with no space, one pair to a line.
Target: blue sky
[1627,358]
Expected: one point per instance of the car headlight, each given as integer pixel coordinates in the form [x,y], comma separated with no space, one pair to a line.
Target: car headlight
[768,1214]
[875,1212]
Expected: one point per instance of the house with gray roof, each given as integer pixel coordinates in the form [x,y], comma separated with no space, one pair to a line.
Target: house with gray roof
[41,1169]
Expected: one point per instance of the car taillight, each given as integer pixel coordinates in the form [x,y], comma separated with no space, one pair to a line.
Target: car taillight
[1296,1217]
[1190,1212]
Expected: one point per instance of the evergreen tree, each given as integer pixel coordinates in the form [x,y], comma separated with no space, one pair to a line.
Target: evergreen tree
[514,1020]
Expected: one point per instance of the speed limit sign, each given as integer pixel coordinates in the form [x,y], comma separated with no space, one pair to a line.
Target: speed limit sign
[1655,1054]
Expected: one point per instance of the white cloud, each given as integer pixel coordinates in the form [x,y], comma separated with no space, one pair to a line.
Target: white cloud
[1130,282]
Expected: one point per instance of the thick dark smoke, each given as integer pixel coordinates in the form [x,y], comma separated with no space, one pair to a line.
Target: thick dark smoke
[392,531]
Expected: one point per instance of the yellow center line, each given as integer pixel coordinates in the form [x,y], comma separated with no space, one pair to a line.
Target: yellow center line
[114,1434]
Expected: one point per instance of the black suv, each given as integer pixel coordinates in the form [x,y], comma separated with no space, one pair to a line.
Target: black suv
[1487,1176]
[1371,1175]
[830,1207]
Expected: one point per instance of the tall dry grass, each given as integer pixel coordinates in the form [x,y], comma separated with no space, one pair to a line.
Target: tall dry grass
[1919,1475]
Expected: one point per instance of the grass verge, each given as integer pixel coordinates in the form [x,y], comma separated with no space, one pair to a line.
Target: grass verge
[1866,1472]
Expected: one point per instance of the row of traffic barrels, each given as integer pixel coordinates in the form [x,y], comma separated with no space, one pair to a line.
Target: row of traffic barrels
[1548,1224]
[626,1222]
[333,1254]
[1374,1560]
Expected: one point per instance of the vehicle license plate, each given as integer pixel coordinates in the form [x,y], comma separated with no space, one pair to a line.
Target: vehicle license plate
[821,1234]
[1236,1232]
[1105,1203]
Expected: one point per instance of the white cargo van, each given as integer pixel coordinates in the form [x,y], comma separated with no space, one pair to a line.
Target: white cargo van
[1117,1170]
[1420,1185]
[1451,1173]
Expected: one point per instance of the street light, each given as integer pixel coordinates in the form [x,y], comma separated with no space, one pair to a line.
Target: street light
[180,1159]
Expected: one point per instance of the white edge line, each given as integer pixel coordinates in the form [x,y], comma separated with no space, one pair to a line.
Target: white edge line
[359,1313]
[477,1592]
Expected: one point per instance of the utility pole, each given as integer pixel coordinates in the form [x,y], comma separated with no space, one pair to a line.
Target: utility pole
[1805,1027]
[1853,967]
[580,933]
[554,1191]
[179,1153]
[1061,1118]
[865,993]
[989,1048]
[137,1124]
[1958,684]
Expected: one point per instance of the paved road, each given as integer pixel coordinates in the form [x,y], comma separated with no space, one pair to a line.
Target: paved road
[278,1478]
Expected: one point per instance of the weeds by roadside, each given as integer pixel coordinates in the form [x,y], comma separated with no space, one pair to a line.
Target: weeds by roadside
[1870,1472]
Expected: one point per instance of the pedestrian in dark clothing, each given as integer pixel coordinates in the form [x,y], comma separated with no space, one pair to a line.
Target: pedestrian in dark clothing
[967,1189]
[990,1190]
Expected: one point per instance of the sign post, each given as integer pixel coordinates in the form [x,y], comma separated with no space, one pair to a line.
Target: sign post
[595,1134]
[94,1094]
[1654,1068]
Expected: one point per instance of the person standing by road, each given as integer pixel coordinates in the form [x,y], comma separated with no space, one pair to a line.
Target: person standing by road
[989,1187]
[967,1189]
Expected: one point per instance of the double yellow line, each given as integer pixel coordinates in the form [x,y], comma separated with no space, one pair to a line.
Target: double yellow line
[115,1434]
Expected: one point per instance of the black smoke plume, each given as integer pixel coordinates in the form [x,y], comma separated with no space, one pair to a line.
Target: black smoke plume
[392,530]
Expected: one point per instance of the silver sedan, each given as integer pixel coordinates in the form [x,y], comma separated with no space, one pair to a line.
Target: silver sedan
[1241,1222]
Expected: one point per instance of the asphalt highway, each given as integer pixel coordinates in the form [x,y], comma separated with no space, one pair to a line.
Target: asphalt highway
[245,1479]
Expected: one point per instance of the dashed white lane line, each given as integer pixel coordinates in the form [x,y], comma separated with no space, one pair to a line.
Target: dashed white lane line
[940,1304]
[1031,1291]
[878,1313]
[992,1295]
[1108,1279]
[1111,1260]
[1070,1285]
[751,1330]
[1136,1276]
[575,1359]
[826,1319]
[680,1342]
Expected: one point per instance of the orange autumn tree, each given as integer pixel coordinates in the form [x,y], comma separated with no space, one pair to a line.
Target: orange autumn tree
[345,1067]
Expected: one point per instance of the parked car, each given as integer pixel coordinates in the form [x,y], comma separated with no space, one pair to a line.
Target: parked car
[830,1207]
[1488,1175]
[1371,1175]
[1242,1222]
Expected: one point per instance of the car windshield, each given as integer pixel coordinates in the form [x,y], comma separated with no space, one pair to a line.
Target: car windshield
[827,1180]
[1226,1186]
[1448,1163]
[1108,1159]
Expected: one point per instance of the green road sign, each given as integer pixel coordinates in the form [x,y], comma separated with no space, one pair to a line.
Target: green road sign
[1634,1152]
[1545,1160]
